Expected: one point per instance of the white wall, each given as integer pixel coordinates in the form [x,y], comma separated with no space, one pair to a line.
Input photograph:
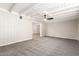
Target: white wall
[13,29]
[63,29]
[43,28]
[78,29]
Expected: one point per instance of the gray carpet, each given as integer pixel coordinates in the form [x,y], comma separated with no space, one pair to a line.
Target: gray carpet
[43,46]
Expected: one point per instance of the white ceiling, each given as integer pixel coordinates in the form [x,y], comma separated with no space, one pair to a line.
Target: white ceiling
[36,10]
[5,5]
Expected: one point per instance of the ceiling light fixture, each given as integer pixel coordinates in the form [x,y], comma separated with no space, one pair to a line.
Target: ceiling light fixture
[45,19]
[20,17]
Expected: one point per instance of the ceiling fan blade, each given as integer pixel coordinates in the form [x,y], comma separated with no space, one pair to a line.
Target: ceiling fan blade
[50,18]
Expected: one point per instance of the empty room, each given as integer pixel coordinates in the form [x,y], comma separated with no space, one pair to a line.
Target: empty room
[39,29]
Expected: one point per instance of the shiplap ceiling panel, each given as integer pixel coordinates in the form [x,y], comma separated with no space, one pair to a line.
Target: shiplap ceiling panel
[5,5]
[36,10]
[21,7]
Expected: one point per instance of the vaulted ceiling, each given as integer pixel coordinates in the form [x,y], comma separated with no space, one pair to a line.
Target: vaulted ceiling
[36,10]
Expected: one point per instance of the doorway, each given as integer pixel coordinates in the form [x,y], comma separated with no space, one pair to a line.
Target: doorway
[36,30]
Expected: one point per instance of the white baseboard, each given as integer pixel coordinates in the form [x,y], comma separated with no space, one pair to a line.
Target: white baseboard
[62,37]
[14,42]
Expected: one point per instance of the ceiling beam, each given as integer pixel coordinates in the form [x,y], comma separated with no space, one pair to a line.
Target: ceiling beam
[10,9]
[64,9]
[22,11]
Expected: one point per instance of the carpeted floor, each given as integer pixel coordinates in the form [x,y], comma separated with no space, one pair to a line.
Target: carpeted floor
[42,46]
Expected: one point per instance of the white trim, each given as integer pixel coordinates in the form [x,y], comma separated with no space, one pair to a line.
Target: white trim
[12,6]
[73,7]
[15,42]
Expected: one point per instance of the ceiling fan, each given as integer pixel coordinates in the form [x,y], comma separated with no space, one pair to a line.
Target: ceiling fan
[48,18]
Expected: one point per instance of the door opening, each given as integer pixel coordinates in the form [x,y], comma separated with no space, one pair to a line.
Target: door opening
[36,30]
